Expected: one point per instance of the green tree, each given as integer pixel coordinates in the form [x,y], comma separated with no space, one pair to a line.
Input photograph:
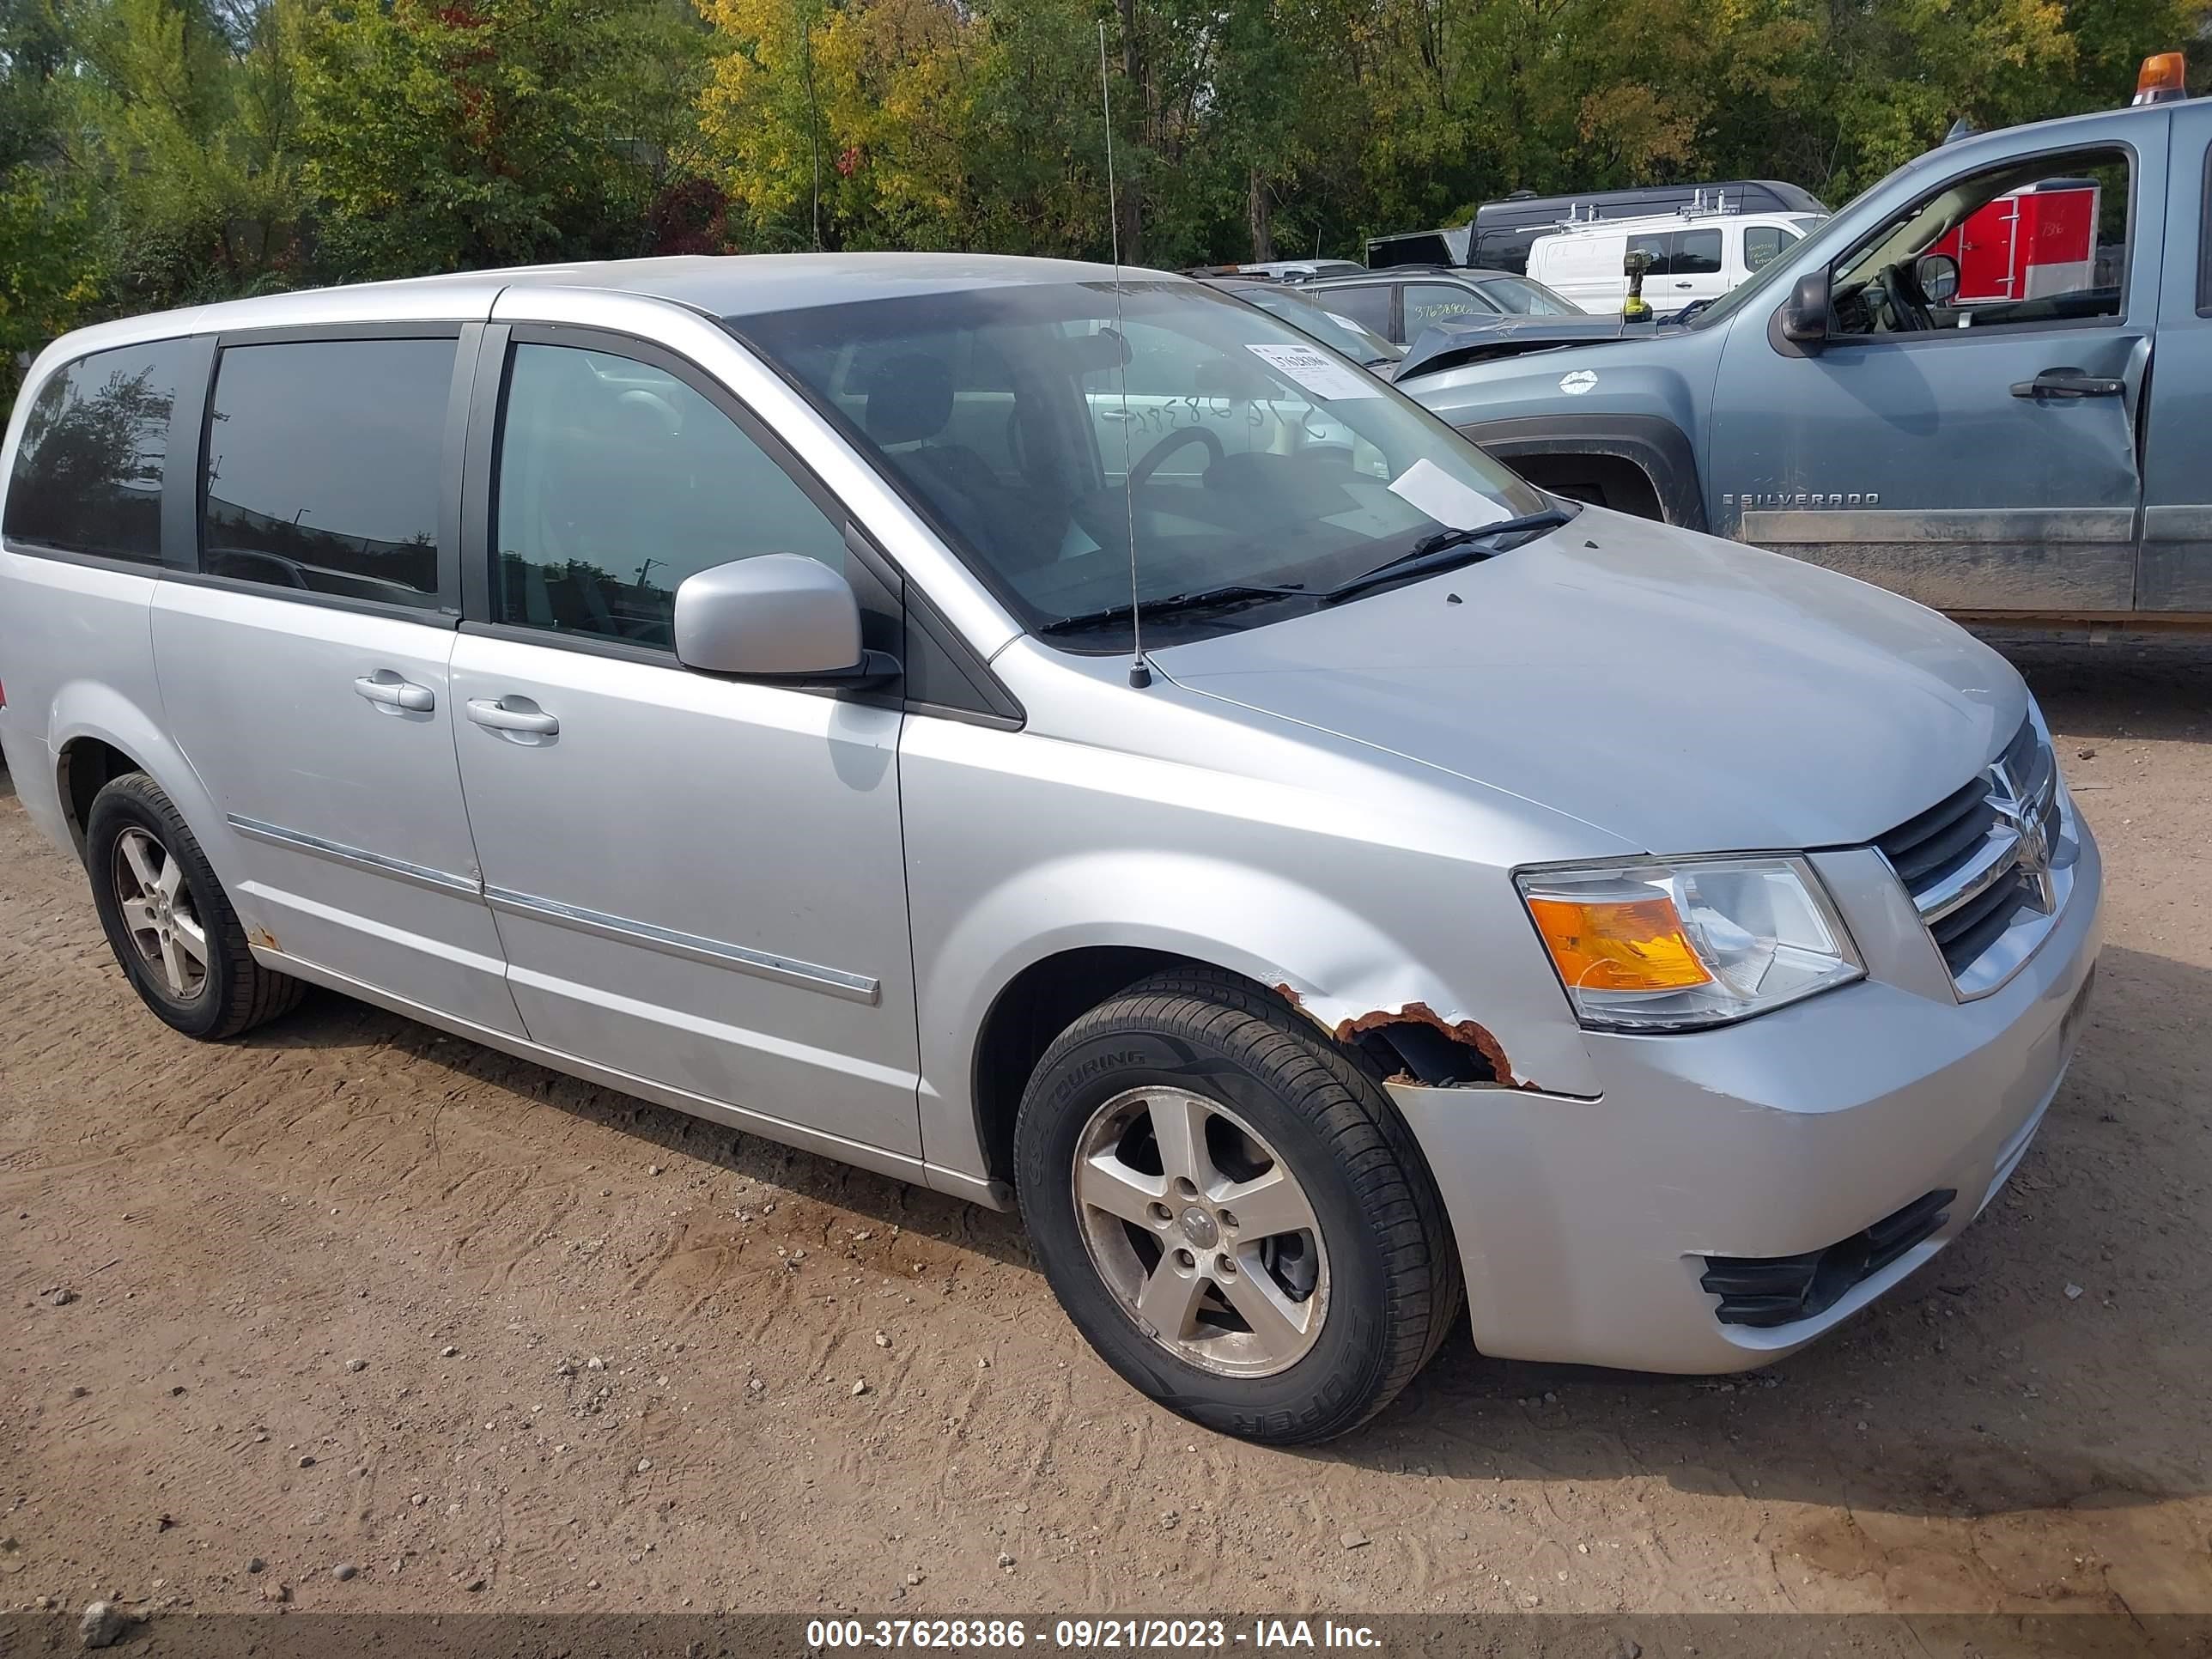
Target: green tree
[484,132]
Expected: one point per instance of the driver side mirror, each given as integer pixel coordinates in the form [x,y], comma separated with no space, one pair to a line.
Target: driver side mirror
[1938,276]
[1807,315]
[778,615]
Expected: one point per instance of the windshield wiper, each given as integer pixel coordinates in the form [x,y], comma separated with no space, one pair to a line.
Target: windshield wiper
[1442,551]
[1204,598]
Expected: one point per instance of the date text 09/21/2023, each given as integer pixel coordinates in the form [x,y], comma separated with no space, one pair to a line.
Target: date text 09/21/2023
[1262,1635]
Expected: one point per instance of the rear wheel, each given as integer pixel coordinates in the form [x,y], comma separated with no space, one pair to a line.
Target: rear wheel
[1231,1212]
[167,920]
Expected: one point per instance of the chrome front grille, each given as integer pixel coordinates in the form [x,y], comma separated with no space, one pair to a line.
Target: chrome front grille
[1989,865]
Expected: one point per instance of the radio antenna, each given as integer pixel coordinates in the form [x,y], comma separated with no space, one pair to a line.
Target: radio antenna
[1140,673]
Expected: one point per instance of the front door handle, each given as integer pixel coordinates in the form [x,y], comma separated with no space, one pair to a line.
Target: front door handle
[2067,383]
[388,687]
[498,716]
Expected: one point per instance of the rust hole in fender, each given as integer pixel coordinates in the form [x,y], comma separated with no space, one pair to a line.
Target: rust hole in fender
[1415,1044]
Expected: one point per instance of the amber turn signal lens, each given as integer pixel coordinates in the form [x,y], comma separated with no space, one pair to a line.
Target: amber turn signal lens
[1630,944]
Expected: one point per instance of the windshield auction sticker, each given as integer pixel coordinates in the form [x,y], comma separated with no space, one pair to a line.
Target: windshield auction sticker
[1444,498]
[1325,376]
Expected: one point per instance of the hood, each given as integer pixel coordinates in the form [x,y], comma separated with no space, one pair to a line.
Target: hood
[1684,693]
[1462,341]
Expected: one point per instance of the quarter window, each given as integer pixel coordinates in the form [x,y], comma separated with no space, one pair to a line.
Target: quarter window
[324,467]
[617,481]
[88,473]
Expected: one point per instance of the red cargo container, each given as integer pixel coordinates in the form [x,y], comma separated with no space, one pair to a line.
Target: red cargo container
[2033,242]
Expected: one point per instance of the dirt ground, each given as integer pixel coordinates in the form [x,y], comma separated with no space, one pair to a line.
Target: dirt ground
[349,1292]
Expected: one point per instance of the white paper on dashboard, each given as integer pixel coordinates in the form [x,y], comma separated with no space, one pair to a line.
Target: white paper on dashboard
[1457,506]
[1317,372]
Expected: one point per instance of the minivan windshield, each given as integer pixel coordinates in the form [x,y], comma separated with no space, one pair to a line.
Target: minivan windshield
[1051,430]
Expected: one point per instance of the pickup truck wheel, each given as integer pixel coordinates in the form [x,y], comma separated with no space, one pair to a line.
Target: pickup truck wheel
[1231,1212]
[167,920]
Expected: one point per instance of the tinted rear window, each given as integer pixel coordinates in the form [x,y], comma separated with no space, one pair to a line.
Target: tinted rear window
[88,473]
[1368,307]
[324,465]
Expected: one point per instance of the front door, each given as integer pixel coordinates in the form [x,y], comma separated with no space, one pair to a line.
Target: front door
[1978,457]
[700,881]
[2175,572]
[303,666]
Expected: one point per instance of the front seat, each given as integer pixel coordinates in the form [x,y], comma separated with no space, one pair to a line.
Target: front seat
[910,400]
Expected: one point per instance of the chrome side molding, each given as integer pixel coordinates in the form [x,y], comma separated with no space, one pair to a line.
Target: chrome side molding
[693,947]
[420,875]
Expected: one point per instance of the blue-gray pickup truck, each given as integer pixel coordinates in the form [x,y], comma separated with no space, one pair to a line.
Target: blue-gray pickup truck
[1950,388]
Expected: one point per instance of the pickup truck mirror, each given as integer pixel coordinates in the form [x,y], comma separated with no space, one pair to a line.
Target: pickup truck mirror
[1805,315]
[1938,276]
[778,615]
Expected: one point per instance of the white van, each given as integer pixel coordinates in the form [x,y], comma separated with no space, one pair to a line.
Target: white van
[1695,256]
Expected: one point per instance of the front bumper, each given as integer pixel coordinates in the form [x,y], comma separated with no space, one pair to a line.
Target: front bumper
[1584,1225]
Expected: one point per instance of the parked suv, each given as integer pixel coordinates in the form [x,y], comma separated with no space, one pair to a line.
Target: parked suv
[717,679]
[1399,304]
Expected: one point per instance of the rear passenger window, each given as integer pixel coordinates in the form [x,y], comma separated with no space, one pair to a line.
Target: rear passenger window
[88,473]
[616,481]
[324,467]
[1661,250]
[1696,254]
[1368,307]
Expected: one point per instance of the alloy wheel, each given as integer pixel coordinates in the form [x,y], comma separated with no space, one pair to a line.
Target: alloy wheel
[1201,1232]
[159,913]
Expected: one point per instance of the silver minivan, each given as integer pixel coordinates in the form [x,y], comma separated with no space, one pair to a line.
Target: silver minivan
[716,678]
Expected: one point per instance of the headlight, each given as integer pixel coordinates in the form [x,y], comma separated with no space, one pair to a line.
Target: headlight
[1671,947]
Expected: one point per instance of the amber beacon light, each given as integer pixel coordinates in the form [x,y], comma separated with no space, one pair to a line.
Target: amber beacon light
[2162,80]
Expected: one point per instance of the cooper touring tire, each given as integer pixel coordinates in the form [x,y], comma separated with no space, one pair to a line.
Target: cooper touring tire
[168,920]
[1231,1212]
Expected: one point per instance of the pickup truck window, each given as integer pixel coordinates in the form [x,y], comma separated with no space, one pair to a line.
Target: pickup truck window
[2204,245]
[2041,241]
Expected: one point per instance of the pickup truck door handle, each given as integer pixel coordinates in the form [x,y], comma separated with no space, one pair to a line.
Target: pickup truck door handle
[2067,383]
[500,718]
[388,687]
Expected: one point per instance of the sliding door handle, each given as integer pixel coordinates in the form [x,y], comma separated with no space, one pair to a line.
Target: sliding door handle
[500,718]
[388,687]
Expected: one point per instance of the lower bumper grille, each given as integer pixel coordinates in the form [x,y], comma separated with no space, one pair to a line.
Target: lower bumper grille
[1780,1290]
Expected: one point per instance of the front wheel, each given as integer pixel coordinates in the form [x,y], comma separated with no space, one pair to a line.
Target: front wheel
[1231,1212]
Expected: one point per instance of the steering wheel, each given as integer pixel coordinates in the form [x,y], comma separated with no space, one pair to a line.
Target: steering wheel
[1141,473]
[1903,298]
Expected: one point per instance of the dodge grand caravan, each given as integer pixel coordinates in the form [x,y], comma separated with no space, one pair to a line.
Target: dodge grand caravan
[716,678]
